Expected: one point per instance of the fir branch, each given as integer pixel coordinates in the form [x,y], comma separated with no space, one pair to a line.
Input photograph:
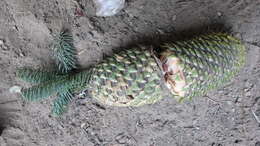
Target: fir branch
[65,52]
[59,85]
[61,102]
[45,89]
[35,76]
[62,82]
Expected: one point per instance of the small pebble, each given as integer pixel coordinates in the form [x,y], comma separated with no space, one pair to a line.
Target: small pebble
[174,17]
[238,35]
[21,54]
[219,14]
[1,42]
[229,102]
[248,94]
[83,125]
[4,47]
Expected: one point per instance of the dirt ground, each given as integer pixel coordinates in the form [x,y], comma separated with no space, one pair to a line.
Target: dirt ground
[226,117]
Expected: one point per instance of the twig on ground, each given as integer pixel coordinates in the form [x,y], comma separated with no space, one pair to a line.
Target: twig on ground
[255,116]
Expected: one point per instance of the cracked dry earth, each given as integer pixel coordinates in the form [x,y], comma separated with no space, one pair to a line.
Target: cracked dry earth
[226,117]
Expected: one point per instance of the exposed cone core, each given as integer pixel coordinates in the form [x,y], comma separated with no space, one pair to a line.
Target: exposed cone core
[173,73]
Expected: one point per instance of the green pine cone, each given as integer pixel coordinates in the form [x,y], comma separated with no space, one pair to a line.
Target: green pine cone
[188,68]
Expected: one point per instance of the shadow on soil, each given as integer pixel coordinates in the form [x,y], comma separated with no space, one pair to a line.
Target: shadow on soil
[3,119]
[157,40]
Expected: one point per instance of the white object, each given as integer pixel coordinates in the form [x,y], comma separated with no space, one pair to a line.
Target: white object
[108,7]
[15,89]
[1,42]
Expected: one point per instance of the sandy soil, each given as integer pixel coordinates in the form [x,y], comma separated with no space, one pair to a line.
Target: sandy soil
[223,118]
